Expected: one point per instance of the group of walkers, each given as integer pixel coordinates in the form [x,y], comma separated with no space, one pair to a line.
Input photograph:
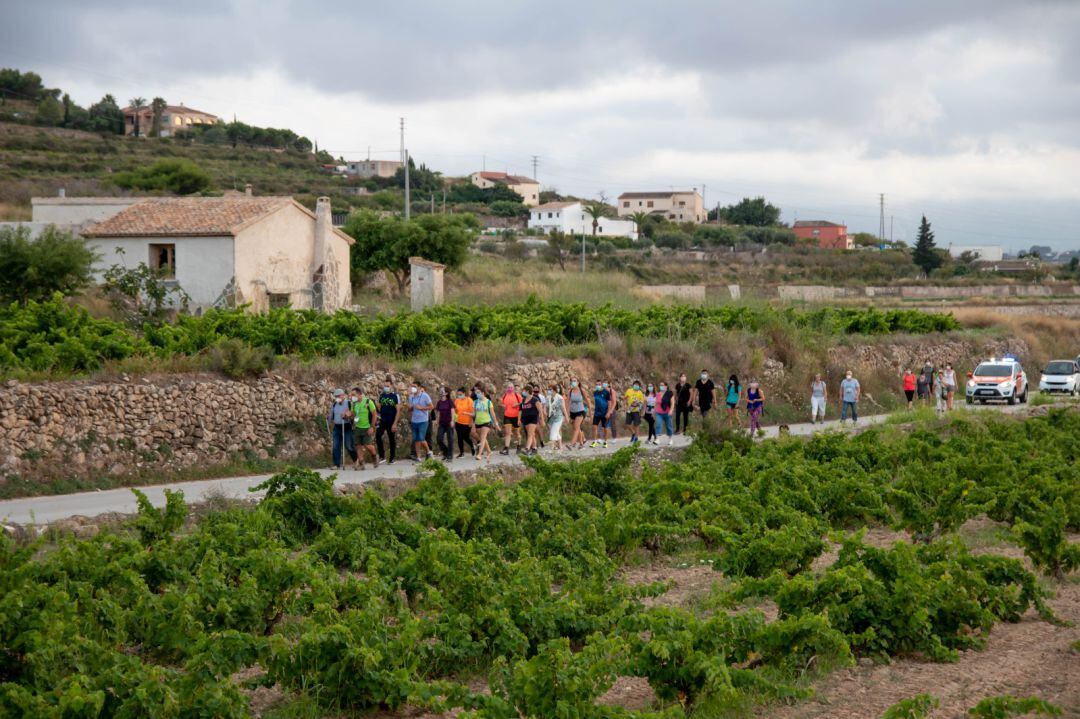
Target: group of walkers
[483,421]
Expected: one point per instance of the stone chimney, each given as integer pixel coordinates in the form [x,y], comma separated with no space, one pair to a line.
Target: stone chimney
[321,279]
[247,189]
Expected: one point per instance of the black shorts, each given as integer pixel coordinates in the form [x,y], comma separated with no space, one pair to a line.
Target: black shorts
[600,420]
[527,421]
[732,405]
[510,421]
[575,415]
[705,409]
[910,394]
[633,418]
[924,392]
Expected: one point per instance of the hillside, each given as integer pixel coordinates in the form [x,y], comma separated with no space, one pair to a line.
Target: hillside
[36,161]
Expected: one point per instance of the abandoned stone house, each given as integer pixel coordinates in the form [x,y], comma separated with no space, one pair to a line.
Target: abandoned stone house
[228,251]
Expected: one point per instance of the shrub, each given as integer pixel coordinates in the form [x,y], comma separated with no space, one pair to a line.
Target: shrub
[180,177]
[238,359]
[33,269]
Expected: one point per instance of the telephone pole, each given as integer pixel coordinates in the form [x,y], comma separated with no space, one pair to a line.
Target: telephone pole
[881,224]
[535,162]
[408,207]
[402,154]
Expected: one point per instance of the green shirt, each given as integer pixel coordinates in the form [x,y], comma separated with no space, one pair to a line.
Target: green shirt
[363,410]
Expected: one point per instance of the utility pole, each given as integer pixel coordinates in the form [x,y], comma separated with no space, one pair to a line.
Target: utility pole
[408,207]
[881,224]
[583,252]
[444,200]
[433,203]
[891,218]
[535,161]
[402,154]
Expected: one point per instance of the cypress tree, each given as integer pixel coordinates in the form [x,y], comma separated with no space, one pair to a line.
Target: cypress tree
[925,254]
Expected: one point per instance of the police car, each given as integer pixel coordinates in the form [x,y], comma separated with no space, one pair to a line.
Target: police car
[998,379]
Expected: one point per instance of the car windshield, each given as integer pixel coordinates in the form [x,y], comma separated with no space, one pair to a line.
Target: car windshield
[993,370]
[1059,368]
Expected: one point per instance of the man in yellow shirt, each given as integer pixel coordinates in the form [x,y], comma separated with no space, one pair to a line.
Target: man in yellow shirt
[635,405]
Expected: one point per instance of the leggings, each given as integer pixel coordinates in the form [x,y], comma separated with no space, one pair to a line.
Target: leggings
[755,418]
[464,437]
[682,418]
[651,421]
[445,438]
[379,432]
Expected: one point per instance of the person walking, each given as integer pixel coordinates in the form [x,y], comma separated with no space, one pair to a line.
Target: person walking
[924,383]
[444,409]
[948,377]
[911,384]
[532,412]
[484,420]
[389,410]
[464,412]
[365,416]
[601,414]
[650,413]
[579,408]
[420,405]
[732,396]
[941,393]
[613,411]
[850,391]
[704,393]
[556,414]
[755,405]
[542,397]
[665,405]
[511,406]
[819,397]
[683,404]
[339,422]
[635,405]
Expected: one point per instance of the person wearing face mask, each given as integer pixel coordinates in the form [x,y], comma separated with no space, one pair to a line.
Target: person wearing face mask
[755,405]
[339,421]
[511,406]
[948,378]
[650,413]
[849,397]
[556,414]
[544,406]
[613,410]
[704,391]
[364,413]
[444,410]
[684,394]
[532,414]
[579,407]
[601,420]
[485,422]
[420,405]
[464,414]
[389,408]
[635,405]
[731,399]
[665,405]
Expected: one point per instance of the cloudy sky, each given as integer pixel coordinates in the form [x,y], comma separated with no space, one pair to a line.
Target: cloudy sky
[965,110]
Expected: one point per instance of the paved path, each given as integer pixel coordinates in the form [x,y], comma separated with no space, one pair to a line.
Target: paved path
[42,510]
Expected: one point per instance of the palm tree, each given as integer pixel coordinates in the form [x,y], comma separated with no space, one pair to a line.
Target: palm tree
[596,210]
[640,218]
[158,105]
[137,103]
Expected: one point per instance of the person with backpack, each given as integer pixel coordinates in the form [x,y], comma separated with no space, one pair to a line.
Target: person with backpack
[924,383]
[389,410]
[421,405]
[556,414]
[511,406]
[733,394]
[755,405]
[579,408]
[602,409]
[819,396]
[339,422]
[364,419]
[665,405]
[532,416]
[484,420]
[650,413]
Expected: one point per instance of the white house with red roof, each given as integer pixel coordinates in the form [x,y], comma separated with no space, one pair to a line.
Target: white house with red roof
[527,187]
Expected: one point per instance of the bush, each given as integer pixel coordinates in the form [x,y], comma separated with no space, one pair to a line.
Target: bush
[238,359]
[35,269]
[180,177]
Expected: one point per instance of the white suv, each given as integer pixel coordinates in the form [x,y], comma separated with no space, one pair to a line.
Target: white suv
[1060,376]
[997,379]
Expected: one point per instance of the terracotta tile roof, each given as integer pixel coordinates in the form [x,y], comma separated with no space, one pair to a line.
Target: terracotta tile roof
[508,179]
[644,195]
[554,206]
[169,110]
[187,216]
[815,223]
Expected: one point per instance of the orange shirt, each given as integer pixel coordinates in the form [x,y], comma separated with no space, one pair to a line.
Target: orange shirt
[909,382]
[465,410]
[511,404]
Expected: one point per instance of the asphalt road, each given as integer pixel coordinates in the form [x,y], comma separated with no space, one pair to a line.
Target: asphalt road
[43,510]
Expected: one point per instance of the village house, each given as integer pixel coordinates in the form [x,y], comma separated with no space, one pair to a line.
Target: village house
[173,119]
[675,205]
[263,252]
[528,188]
[371,168]
[571,218]
[827,235]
